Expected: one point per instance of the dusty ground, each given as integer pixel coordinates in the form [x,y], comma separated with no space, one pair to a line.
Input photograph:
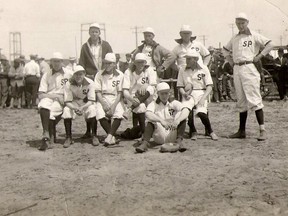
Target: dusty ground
[228,177]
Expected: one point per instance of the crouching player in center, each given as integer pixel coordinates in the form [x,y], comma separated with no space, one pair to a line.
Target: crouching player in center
[109,98]
[139,85]
[166,120]
[79,98]
[195,84]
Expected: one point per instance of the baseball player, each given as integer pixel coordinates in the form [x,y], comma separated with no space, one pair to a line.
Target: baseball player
[166,120]
[195,85]
[109,98]
[139,87]
[80,99]
[245,47]
[51,96]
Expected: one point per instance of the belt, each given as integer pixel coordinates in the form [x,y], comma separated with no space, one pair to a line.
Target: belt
[244,63]
[30,76]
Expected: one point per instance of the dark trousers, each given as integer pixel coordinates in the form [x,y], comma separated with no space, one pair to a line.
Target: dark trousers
[281,84]
[31,90]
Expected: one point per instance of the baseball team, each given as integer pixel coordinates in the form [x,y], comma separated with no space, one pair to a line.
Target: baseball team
[97,90]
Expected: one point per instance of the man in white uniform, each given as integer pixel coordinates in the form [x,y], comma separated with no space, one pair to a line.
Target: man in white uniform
[245,47]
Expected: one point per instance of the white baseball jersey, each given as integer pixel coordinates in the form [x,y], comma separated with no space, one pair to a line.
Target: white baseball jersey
[181,50]
[86,90]
[109,84]
[53,83]
[245,47]
[199,78]
[133,82]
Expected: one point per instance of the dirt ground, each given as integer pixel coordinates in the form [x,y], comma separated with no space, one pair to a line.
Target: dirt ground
[227,177]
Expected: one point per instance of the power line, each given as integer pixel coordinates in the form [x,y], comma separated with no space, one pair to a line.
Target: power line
[232,26]
[203,38]
[136,28]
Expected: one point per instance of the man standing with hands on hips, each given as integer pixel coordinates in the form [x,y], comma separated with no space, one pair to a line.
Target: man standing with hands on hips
[245,47]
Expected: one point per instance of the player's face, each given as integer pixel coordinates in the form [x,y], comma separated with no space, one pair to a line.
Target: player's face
[109,66]
[148,37]
[140,65]
[186,36]
[79,77]
[94,33]
[128,58]
[164,96]
[242,25]
[191,62]
[56,64]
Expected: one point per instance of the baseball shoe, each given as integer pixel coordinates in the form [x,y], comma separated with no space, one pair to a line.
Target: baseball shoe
[86,136]
[238,135]
[110,140]
[262,136]
[44,144]
[95,141]
[194,136]
[67,142]
[143,147]
[213,136]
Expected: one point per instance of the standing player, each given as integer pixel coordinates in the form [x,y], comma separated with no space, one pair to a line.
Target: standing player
[245,48]
[92,54]
[195,85]
[51,96]
[139,87]
[166,120]
[79,98]
[109,98]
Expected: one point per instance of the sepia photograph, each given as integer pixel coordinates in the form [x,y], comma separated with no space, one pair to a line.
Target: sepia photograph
[144,108]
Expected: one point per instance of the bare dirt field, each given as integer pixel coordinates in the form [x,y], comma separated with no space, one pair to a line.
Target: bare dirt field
[227,177]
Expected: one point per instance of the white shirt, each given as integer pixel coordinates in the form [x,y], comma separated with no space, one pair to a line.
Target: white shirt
[147,50]
[180,51]
[32,69]
[166,111]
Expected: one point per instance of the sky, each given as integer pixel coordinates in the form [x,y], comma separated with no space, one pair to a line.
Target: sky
[47,26]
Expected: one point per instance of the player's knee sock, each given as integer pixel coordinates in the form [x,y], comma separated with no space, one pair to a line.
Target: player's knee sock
[181,129]
[115,125]
[191,122]
[88,127]
[45,115]
[52,128]
[243,119]
[93,124]
[141,119]
[105,125]
[260,118]
[206,122]
[149,129]
[68,127]
[134,119]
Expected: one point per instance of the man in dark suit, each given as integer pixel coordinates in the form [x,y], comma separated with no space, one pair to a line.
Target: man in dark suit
[281,66]
[124,65]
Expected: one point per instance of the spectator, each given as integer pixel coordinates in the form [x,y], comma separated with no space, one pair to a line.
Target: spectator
[4,70]
[212,66]
[281,66]
[31,78]
[72,64]
[16,77]
[44,66]
[117,61]
[124,65]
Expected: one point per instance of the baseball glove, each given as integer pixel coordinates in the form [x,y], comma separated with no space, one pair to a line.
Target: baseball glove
[169,147]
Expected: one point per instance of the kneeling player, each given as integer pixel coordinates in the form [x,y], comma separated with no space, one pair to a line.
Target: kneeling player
[139,87]
[109,98]
[51,96]
[79,98]
[195,84]
[166,120]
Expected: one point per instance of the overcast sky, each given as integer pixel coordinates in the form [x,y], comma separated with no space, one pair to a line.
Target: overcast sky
[54,25]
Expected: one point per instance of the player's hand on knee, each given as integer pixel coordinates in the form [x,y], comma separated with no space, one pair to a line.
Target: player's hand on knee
[143,89]
[201,102]
[175,124]
[165,124]
[106,107]
[78,112]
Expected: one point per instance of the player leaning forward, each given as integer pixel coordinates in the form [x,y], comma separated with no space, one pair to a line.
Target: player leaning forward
[109,98]
[80,99]
[51,96]
[195,84]
[245,47]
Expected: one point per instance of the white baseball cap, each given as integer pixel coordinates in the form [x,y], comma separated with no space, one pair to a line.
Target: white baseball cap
[242,16]
[94,25]
[140,57]
[149,30]
[185,28]
[163,86]
[78,68]
[192,53]
[57,55]
[110,57]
